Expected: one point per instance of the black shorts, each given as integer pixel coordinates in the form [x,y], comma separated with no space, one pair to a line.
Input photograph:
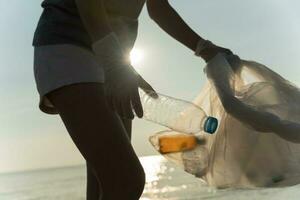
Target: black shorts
[63,64]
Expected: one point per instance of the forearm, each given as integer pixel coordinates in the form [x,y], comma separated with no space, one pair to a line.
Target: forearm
[170,21]
[105,42]
[94,18]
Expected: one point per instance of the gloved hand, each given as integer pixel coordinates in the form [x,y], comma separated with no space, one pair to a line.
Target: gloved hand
[207,50]
[122,91]
[121,80]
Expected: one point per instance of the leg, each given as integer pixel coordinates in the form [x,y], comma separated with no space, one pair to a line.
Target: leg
[93,187]
[101,138]
[128,126]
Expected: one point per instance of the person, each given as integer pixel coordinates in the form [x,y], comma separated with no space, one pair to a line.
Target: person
[83,74]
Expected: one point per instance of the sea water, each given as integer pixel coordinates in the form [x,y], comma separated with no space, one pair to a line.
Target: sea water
[165,181]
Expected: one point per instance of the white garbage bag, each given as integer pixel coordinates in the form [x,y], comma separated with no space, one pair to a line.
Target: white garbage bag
[257,141]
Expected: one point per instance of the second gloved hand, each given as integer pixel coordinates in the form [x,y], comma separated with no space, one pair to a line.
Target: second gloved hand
[207,50]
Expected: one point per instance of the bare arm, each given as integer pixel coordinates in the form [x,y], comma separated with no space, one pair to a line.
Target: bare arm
[170,21]
[94,18]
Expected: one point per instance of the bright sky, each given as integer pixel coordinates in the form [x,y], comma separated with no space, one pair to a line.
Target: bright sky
[266,31]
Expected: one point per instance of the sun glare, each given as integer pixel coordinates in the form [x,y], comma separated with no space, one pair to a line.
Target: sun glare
[136,56]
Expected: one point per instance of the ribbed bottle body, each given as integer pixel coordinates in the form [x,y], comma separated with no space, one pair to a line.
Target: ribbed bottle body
[177,114]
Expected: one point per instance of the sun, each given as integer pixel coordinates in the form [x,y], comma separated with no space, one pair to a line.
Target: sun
[136,56]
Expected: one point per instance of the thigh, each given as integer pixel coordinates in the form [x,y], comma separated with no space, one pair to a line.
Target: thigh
[89,121]
[127,123]
[93,185]
[98,133]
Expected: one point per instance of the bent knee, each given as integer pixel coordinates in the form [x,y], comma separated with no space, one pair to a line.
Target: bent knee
[134,183]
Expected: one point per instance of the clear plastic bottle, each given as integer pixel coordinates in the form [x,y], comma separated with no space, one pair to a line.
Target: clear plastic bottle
[177,114]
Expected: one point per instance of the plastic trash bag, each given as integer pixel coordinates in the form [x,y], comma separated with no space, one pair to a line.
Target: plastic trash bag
[256,144]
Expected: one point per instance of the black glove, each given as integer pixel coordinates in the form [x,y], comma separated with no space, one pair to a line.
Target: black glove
[122,91]
[121,80]
[207,50]
[146,87]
